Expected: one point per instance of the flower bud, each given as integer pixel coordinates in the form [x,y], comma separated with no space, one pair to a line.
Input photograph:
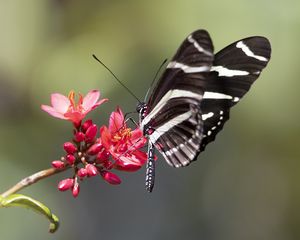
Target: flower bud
[79,136]
[70,148]
[58,164]
[82,172]
[70,159]
[65,184]
[86,125]
[111,178]
[91,133]
[102,156]
[94,149]
[76,189]
[108,164]
[91,170]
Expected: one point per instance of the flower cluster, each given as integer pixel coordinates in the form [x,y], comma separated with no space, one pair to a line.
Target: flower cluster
[90,154]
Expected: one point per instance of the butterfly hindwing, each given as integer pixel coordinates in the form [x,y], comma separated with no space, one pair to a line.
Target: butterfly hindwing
[179,138]
[234,70]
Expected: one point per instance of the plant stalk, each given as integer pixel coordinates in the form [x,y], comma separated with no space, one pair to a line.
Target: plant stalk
[31,180]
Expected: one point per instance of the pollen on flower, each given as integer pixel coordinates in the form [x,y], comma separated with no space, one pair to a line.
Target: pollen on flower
[123,134]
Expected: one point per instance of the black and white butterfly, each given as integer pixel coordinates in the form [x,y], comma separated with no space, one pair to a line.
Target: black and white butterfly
[191,101]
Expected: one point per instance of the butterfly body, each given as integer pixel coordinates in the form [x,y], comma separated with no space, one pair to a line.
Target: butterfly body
[193,97]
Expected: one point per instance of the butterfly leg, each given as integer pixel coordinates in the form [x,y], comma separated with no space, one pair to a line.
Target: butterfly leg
[132,121]
[150,169]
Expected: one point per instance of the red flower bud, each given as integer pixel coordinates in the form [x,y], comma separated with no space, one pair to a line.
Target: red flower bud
[70,159]
[76,189]
[86,125]
[91,133]
[58,164]
[79,137]
[91,170]
[111,178]
[102,156]
[82,172]
[65,184]
[108,165]
[94,149]
[70,148]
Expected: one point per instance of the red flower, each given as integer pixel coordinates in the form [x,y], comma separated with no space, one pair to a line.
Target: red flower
[66,108]
[123,143]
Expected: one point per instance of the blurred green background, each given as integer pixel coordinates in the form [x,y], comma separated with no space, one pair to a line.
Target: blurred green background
[245,186]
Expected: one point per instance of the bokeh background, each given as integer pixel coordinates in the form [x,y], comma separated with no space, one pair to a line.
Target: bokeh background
[245,186]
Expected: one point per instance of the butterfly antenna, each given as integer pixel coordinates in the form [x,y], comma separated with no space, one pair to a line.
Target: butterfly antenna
[94,56]
[163,63]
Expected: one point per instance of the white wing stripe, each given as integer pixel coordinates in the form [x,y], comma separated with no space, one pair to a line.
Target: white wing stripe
[216,95]
[186,68]
[197,46]
[207,115]
[173,93]
[225,72]
[168,125]
[248,52]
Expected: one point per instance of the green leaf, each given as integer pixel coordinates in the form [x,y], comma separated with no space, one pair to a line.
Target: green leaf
[19,200]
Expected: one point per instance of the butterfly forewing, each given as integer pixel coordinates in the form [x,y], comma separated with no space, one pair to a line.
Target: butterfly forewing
[174,114]
[188,68]
[234,70]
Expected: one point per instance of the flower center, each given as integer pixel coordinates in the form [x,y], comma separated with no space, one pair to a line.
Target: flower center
[122,136]
[73,106]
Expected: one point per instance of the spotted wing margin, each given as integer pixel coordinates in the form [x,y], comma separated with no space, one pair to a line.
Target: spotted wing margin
[234,70]
[188,69]
[178,131]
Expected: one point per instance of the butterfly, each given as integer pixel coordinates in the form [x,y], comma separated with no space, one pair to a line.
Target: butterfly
[192,99]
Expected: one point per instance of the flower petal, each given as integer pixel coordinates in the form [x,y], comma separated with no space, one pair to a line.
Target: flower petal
[74,117]
[141,156]
[60,102]
[105,137]
[131,162]
[99,103]
[127,167]
[52,112]
[137,139]
[90,99]
[116,121]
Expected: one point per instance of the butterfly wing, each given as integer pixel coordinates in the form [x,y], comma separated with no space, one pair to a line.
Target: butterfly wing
[188,68]
[234,70]
[174,115]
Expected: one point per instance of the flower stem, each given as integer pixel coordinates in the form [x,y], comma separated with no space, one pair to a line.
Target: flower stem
[31,180]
